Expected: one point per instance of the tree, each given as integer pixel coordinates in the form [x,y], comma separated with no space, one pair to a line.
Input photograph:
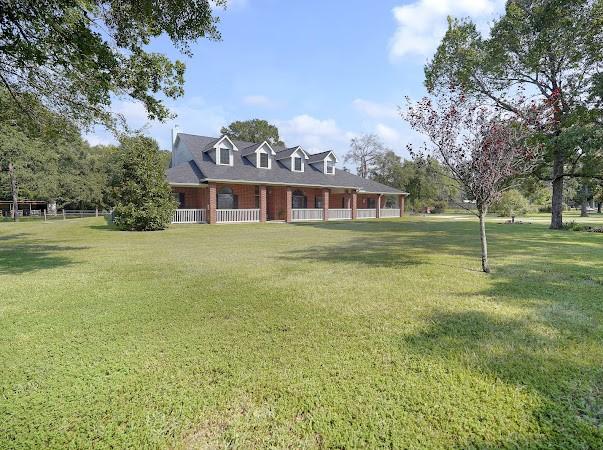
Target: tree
[254,130]
[425,179]
[364,151]
[144,200]
[551,49]
[510,204]
[482,151]
[74,55]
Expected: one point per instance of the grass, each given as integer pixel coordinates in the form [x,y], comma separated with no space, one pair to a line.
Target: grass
[366,334]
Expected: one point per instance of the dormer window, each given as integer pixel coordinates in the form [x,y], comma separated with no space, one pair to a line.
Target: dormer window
[298,164]
[264,161]
[224,156]
[330,166]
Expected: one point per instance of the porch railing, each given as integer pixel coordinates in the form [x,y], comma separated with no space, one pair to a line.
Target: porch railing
[306,214]
[340,214]
[189,216]
[390,212]
[237,215]
[370,213]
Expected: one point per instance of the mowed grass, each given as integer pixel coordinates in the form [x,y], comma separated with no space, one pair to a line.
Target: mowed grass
[346,335]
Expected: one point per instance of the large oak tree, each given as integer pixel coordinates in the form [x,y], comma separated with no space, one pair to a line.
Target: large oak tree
[549,51]
[74,55]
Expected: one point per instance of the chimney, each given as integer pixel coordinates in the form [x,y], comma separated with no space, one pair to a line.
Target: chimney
[175,131]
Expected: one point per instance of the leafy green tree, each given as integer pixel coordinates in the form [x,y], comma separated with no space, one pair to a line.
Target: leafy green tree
[254,130]
[75,54]
[144,200]
[548,50]
[510,204]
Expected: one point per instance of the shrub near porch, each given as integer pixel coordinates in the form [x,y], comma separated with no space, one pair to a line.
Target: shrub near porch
[365,334]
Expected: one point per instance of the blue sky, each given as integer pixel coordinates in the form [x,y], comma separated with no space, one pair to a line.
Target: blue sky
[322,71]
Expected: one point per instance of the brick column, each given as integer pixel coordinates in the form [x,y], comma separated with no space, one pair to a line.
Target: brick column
[378,207]
[289,202]
[354,205]
[211,203]
[263,204]
[325,204]
[401,205]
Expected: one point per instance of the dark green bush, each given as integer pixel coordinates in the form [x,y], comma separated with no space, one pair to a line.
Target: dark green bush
[144,200]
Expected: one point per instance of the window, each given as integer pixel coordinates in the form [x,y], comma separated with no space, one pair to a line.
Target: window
[297,164]
[179,197]
[318,201]
[371,204]
[391,202]
[299,200]
[257,197]
[226,199]
[264,160]
[330,166]
[224,156]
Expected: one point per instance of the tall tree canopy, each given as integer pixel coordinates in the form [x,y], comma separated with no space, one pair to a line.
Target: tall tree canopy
[75,54]
[548,51]
[254,130]
[364,151]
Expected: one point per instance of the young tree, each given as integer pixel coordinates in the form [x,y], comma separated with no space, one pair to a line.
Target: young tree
[144,200]
[254,130]
[551,49]
[74,55]
[364,152]
[482,150]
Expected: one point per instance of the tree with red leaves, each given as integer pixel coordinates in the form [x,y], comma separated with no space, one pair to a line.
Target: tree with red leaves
[482,150]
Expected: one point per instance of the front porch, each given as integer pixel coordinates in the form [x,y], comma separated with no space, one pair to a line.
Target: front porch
[246,203]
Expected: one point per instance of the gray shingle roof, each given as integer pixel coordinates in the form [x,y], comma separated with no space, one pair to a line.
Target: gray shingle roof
[202,169]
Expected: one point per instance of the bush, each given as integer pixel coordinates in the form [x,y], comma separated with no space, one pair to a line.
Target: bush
[511,203]
[143,196]
[439,207]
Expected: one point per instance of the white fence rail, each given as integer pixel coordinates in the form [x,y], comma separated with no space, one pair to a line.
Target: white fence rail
[340,214]
[237,215]
[390,212]
[306,214]
[189,216]
[366,213]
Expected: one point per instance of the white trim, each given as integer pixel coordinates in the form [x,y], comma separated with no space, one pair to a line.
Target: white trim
[203,185]
[293,158]
[219,156]
[199,185]
[217,144]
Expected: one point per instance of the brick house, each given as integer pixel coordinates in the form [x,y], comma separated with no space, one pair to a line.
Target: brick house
[217,180]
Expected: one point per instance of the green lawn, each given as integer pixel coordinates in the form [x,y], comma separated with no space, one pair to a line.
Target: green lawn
[366,334]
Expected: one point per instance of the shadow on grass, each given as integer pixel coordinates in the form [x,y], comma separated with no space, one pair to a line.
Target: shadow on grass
[519,352]
[25,255]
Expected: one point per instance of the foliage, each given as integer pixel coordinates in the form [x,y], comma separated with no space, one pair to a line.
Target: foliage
[543,51]
[511,203]
[143,198]
[364,152]
[425,180]
[254,130]
[213,336]
[482,151]
[75,54]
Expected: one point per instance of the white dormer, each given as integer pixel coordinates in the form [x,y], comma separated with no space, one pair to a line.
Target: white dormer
[329,164]
[298,160]
[224,149]
[259,155]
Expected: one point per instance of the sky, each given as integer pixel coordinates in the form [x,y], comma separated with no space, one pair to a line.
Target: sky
[322,71]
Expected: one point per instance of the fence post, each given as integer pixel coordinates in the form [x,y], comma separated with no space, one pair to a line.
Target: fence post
[63,213]
[44,215]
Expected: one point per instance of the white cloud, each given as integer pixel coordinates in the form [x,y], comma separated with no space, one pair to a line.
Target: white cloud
[259,100]
[315,134]
[193,116]
[376,110]
[422,24]
[390,136]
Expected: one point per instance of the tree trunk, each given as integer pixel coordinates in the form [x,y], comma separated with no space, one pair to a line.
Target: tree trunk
[484,241]
[583,208]
[599,207]
[13,189]
[557,199]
